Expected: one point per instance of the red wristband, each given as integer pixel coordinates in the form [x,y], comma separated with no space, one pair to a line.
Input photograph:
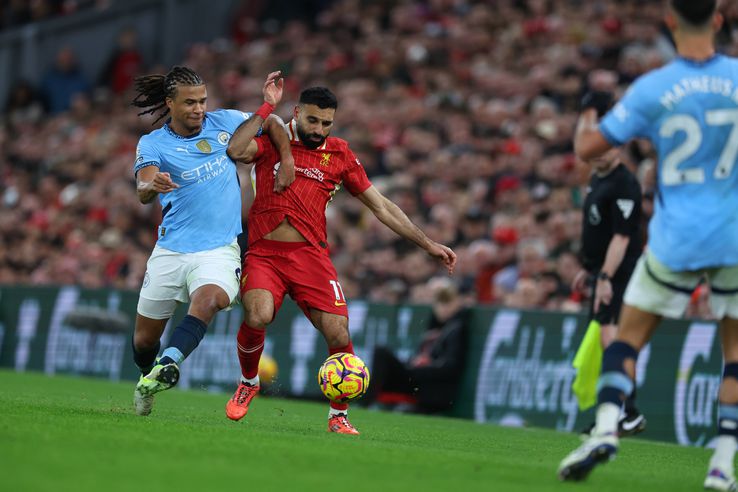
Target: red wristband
[265,110]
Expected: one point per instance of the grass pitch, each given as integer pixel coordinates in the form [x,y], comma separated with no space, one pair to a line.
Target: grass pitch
[64,433]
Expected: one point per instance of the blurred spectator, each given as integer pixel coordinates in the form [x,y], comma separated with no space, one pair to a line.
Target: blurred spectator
[245,21]
[462,113]
[428,382]
[63,81]
[15,13]
[124,64]
[484,255]
[24,106]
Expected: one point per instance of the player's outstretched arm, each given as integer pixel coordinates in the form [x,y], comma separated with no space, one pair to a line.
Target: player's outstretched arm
[243,136]
[275,128]
[150,182]
[393,217]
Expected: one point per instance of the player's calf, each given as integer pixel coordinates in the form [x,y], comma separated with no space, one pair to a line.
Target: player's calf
[613,386]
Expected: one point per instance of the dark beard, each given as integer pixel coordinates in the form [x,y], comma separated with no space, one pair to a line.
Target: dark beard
[307,141]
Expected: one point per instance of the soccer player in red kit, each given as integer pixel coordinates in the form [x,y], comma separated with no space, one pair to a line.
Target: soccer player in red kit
[288,252]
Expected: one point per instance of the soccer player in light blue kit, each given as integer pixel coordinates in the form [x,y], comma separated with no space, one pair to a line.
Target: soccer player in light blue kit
[688,109]
[187,163]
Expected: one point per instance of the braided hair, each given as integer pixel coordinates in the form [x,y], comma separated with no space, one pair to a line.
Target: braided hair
[153,90]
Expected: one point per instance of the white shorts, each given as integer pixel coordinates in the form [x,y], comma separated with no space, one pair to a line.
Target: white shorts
[655,288]
[172,277]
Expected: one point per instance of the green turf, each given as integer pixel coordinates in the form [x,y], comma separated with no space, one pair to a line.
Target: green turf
[62,433]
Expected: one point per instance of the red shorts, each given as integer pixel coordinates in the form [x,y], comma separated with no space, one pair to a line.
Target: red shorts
[301,270]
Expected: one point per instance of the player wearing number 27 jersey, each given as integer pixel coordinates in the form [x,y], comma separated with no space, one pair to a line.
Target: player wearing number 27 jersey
[689,111]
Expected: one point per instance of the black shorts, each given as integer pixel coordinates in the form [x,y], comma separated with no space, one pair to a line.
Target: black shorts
[608,314]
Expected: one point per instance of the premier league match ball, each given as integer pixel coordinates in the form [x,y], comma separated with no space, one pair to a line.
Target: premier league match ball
[343,377]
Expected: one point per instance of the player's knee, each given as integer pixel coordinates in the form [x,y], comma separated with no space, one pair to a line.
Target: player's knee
[337,338]
[222,302]
[205,308]
[207,300]
[144,340]
[258,315]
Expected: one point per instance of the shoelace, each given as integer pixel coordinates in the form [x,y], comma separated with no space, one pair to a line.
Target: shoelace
[243,393]
[344,421]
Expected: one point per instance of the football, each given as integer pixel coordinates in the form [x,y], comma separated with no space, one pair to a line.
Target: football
[268,370]
[343,377]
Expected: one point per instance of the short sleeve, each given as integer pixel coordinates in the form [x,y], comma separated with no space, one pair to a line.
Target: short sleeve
[233,119]
[146,155]
[628,119]
[354,176]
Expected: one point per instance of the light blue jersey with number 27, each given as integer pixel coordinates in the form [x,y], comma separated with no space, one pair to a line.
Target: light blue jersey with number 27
[689,111]
[204,213]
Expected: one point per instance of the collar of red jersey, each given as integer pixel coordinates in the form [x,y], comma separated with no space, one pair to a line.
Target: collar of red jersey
[292,128]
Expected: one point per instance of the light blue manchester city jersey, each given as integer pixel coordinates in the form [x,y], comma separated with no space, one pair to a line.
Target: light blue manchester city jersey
[205,211]
[689,111]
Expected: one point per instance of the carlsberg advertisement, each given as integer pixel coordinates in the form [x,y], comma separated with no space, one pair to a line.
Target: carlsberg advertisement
[519,373]
[517,365]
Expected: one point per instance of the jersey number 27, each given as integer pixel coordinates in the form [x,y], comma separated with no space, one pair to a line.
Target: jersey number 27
[671,174]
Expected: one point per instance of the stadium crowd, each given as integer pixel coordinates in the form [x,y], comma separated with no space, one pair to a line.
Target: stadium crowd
[15,13]
[462,113]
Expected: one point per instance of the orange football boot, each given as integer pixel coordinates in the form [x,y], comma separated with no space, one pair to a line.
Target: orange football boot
[238,406]
[340,424]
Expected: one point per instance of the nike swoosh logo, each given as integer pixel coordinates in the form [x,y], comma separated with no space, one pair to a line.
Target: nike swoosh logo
[629,425]
[339,304]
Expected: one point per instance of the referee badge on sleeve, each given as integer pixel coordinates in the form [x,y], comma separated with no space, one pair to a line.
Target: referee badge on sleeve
[626,206]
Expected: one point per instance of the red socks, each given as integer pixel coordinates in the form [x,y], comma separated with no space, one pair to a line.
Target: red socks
[250,347]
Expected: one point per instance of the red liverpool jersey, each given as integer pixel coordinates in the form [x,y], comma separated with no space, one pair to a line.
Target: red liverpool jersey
[319,174]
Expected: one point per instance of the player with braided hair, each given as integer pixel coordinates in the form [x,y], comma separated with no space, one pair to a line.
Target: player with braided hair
[188,163]
[155,88]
